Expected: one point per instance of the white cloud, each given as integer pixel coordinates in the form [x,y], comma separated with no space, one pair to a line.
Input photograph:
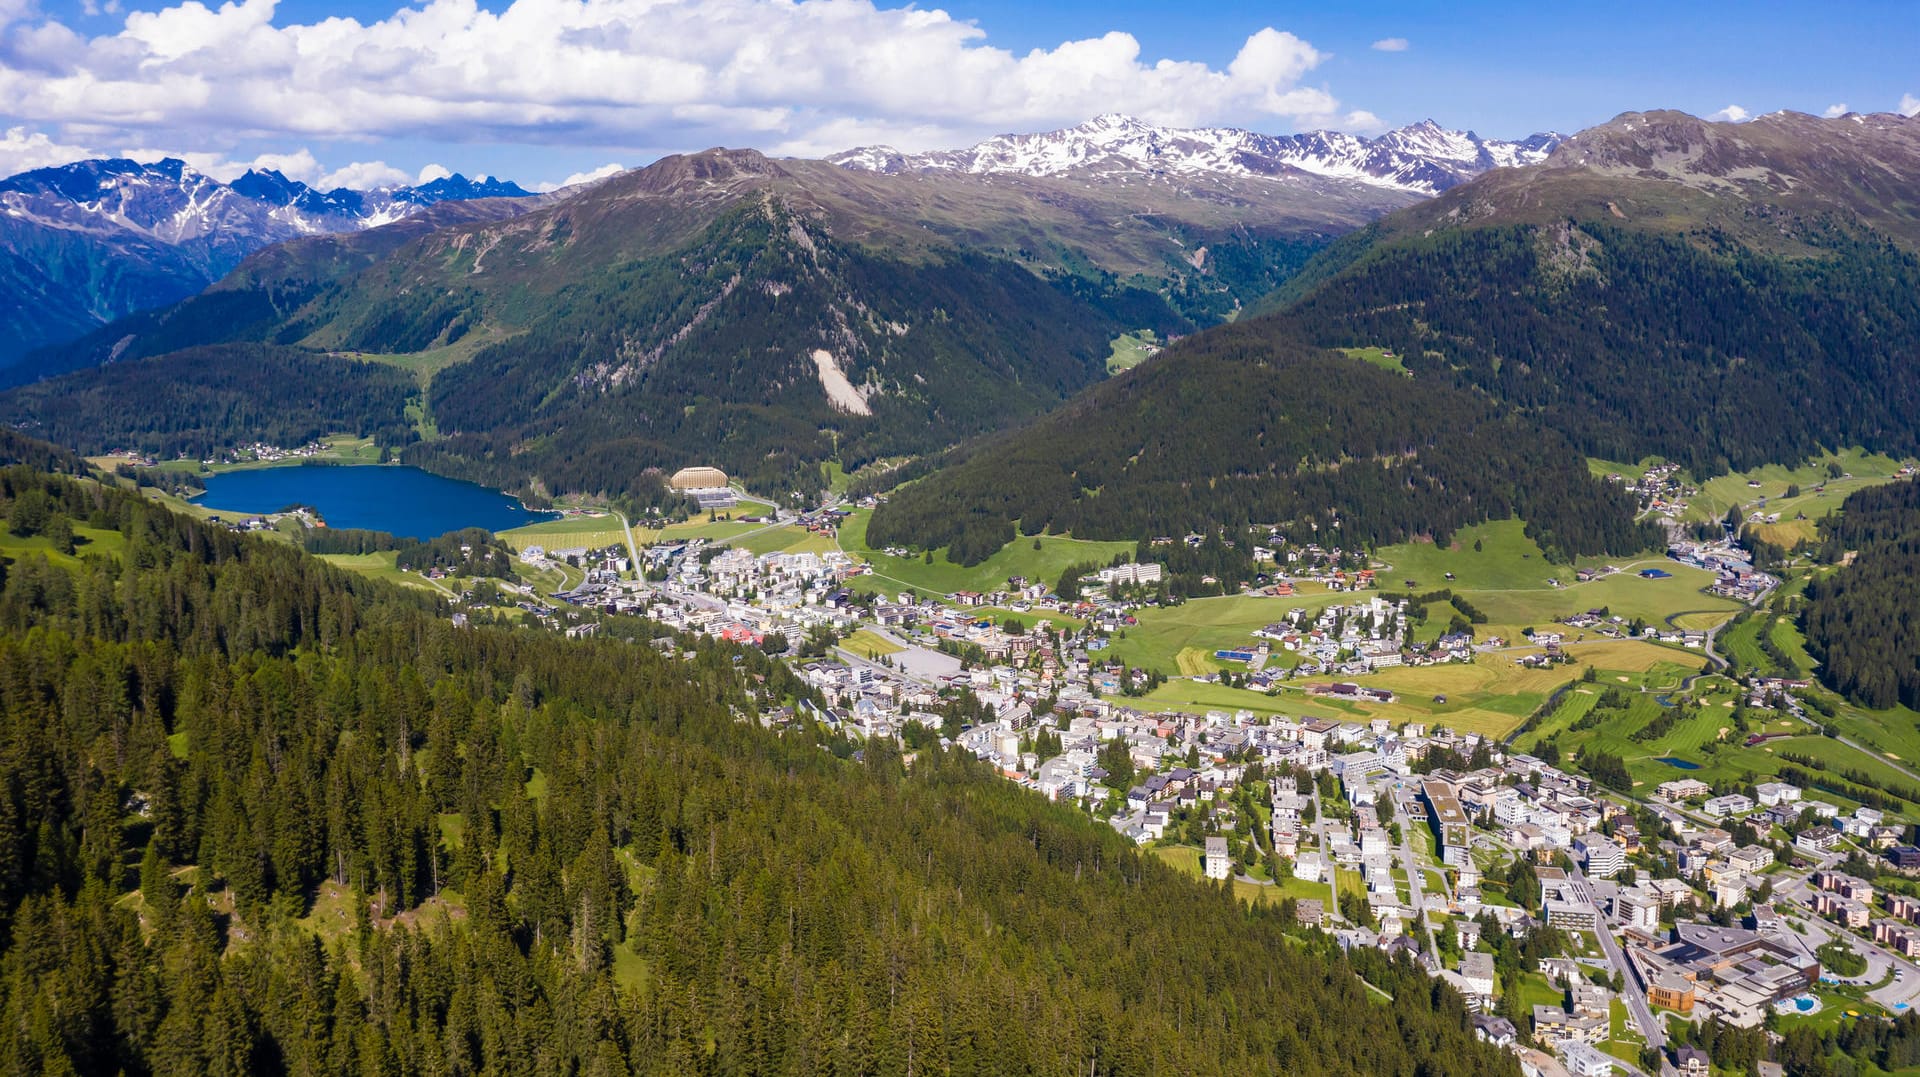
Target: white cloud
[1909,105]
[1391,44]
[300,165]
[789,75]
[1362,121]
[433,172]
[364,176]
[1835,111]
[582,177]
[1730,114]
[22,150]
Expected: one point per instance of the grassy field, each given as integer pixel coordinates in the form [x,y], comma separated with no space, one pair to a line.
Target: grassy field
[1017,558]
[870,645]
[788,540]
[380,566]
[1378,357]
[592,531]
[1204,625]
[1862,469]
[1132,349]
[87,541]
[1506,578]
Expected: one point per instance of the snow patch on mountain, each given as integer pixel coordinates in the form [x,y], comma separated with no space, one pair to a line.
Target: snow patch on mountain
[1422,158]
[169,202]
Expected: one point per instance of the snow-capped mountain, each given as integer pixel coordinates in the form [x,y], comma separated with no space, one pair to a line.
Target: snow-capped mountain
[1423,158]
[86,243]
[169,202]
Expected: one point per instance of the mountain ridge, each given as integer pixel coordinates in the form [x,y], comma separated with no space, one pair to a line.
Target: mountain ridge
[88,242]
[1421,158]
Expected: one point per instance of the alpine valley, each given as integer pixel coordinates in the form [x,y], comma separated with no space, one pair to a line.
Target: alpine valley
[781,314]
[1123,600]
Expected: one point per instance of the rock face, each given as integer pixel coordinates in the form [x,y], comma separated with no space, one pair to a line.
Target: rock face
[1423,158]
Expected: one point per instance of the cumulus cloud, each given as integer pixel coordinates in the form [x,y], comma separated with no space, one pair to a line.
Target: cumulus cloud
[1391,44]
[583,177]
[433,172]
[1909,105]
[22,149]
[299,165]
[365,176]
[1731,114]
[1835,111]
[793,76]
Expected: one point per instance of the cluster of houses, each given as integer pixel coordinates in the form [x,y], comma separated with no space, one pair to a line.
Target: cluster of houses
[1659,491]
[1734,574]
[263,452]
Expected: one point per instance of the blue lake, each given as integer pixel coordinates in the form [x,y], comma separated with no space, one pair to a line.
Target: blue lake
[402,500]
[1680,764]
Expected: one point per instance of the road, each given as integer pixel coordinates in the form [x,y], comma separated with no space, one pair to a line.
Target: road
[1415,876]
[1326,854]
[1634,992]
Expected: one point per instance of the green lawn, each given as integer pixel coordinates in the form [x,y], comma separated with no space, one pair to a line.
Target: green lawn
[1017,558]
[870,645]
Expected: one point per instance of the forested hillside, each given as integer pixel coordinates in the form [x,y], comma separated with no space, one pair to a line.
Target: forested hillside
[1860,621]
[1695,348]
[1722,295]
[201,400]
[258,816]
[1244,425]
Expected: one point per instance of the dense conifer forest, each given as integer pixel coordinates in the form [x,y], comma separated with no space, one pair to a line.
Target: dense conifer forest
[1244,425]
[202,400]
[1860,621]
[258,816]
[1694,347]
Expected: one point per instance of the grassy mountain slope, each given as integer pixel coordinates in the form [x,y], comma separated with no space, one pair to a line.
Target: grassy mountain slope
[262,817]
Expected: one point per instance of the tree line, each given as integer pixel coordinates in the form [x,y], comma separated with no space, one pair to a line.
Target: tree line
[1859,620]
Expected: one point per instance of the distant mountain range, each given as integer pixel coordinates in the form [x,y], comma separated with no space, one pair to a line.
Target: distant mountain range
[1721,295]
[85,243]
[1422,158]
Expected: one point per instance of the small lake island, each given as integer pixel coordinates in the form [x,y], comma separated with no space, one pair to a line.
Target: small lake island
[405,501]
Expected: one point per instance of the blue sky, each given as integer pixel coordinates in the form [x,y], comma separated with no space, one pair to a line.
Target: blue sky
[541,90]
